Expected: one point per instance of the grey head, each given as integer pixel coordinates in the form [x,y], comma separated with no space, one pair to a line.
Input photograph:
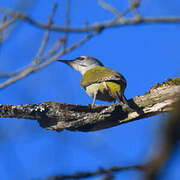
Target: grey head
[82,63]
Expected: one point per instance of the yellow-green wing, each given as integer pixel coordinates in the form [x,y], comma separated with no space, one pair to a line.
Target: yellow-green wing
[100,74]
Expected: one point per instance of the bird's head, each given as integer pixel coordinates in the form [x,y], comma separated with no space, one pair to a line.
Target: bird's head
[82,63]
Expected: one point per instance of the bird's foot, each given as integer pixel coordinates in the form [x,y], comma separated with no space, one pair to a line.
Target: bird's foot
[91,106]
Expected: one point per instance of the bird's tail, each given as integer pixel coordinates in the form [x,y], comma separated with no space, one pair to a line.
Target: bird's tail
[121,98]
[124,99]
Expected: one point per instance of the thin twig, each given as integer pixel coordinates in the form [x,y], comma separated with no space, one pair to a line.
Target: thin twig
[7,23]
[95,173]
[1,31]
[67,23]
[46,36]
[108,24]
[39,53]
[30,69]
[135,4]
[94,28]
[109,7]
[69,49]
[48,55]
[54,50]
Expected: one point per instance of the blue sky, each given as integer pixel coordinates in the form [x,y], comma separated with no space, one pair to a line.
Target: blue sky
[144,54]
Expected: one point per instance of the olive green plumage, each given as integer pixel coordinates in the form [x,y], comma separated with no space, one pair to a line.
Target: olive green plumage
[107,84]
[98,81]
[100,74]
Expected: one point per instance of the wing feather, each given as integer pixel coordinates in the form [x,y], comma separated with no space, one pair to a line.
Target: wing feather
[100,74]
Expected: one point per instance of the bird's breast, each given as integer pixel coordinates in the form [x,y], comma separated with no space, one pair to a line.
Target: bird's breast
[96,87]
[102,91]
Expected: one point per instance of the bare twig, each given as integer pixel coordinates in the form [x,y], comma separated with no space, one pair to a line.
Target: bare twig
[101,171]
[109,7]
[93,30]
[67,23]
[108,24]
[54,50]
[1,31]
[46,36]
[41,49]
[135,4]
[72,47]
[30,69]
[8,22]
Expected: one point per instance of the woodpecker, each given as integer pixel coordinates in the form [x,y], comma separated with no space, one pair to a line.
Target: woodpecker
[99,82]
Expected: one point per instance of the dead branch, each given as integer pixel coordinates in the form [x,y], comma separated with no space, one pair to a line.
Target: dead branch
[55,116]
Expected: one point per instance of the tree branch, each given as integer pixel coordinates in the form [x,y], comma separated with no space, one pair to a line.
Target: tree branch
[54,116]
[97,26]
[40,62]
[101,171]
[31,69]
[109,8]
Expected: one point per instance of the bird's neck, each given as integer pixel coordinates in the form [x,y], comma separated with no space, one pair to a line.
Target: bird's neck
[83,70]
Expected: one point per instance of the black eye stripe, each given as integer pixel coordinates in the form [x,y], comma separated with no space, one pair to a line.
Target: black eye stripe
[81,58]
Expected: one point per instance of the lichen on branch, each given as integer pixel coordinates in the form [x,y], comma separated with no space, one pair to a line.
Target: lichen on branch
[55,116]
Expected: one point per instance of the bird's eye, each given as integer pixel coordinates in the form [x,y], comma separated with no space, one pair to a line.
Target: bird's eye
[81,58]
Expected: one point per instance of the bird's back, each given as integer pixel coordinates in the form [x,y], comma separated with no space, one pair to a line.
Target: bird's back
[104,83]
[100,74]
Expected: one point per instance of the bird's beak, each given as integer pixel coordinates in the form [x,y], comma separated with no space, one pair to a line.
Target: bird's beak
[68,62]
[65,61]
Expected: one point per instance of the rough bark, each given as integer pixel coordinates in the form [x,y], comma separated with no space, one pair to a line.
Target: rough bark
[55,116]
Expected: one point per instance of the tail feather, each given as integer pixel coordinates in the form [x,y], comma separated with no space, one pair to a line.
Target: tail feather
[124,99]
[121,98]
